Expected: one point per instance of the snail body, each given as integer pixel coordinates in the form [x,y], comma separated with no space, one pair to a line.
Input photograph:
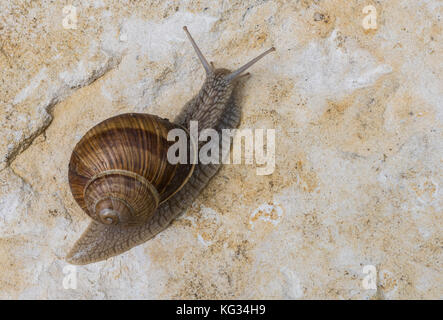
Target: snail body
[120,176]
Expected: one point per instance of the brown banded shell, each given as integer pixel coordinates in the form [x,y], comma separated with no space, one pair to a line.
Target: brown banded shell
[119,171]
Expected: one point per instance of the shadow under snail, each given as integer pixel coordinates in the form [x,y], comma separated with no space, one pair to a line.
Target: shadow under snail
[120,176]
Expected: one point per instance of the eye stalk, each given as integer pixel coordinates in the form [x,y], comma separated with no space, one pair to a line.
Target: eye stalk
[237,73]
[209,68]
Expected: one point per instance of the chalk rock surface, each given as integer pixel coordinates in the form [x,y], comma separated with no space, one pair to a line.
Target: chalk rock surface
[357,114]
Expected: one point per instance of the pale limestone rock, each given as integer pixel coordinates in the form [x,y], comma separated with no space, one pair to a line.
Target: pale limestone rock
[358,118]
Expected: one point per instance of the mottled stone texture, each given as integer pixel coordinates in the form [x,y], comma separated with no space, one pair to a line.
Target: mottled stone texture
[358,118]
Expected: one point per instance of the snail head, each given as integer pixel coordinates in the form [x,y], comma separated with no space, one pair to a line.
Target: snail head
[222,74]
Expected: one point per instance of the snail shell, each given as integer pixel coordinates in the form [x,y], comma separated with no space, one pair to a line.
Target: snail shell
[119,172]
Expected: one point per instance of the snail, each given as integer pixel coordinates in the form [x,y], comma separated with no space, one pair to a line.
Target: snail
[119,173]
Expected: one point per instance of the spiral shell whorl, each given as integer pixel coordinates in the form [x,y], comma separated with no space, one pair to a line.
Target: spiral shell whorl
[109,216]
[119,196]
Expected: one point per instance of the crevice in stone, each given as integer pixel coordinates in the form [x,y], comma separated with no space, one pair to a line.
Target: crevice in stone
[25,143]
[60,95]
[27,184]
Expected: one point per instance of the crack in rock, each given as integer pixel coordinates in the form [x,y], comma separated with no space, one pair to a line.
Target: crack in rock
[70,83]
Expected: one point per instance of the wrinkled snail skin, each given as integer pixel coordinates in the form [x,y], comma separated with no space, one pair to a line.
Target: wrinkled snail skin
[213,107]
